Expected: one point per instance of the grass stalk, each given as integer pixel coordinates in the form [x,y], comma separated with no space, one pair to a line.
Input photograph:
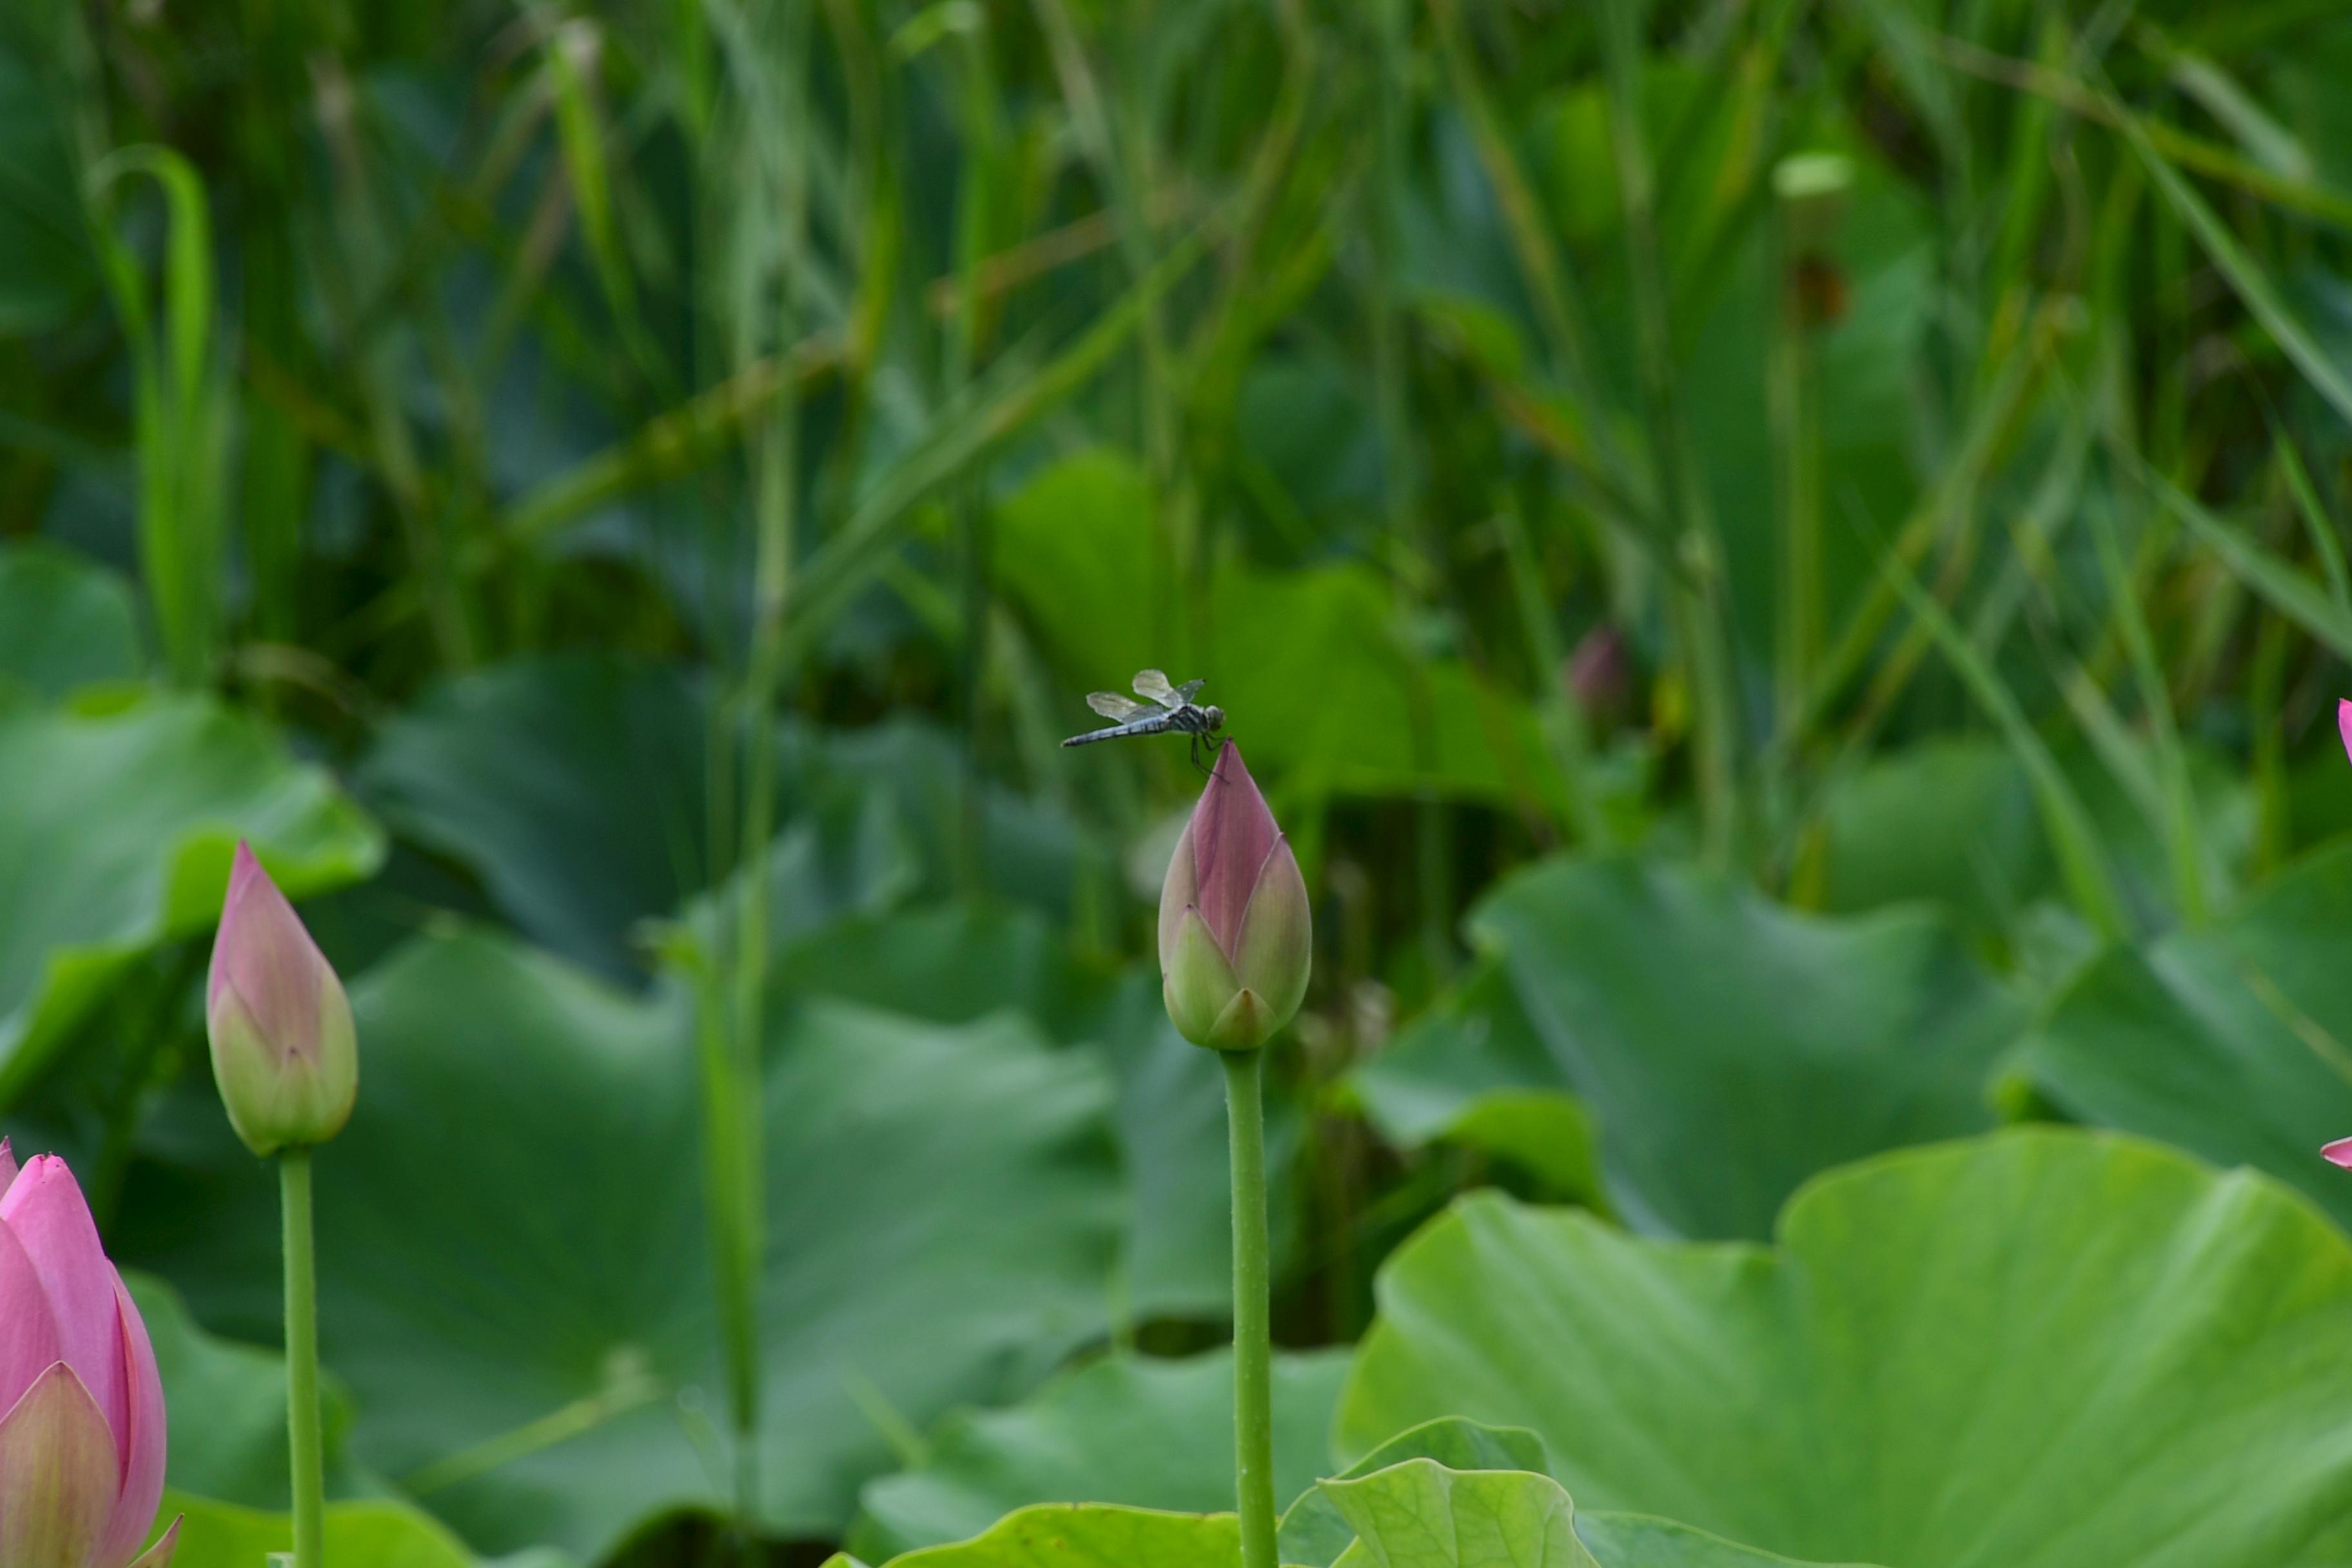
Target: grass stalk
[1697,610]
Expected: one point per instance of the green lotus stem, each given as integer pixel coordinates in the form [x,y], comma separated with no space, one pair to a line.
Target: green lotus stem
[1253,1336]
[302,1362]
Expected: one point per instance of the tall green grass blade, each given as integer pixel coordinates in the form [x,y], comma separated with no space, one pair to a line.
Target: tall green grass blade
[2176,816]
[2245,275]
[1697,608]
[179,403]
[2286,590]
[2073,835]
[2317,523]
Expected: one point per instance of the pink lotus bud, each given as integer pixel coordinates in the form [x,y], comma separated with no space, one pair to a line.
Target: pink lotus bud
[81,1441]
[2343,723]
[1600,672]
[2338,1152]
[284,1052]
[1236,938]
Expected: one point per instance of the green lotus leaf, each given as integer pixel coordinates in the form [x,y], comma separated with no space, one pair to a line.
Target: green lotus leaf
[1728,1047]
[575,787]
[1419,1514]
[2234,1040]
[66,622]
[1334,702]
[1472,1073]
[515,1282]
[117,835]
[1316,1533]
[1091,1535]
[959,962]
[358,1535]
[228,1407]
[2042,1346]
[1127,1429]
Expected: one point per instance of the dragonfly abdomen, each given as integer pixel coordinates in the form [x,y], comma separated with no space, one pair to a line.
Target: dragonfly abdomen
[1156,726]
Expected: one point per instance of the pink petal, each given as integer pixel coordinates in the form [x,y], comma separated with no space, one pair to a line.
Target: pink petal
[57,1475]
[142,1445]
[1233,833]
[28,1330]
[7,1165]
[46,1210]
[2338,1152]
[2343,723]
[1179,890]
[265,954]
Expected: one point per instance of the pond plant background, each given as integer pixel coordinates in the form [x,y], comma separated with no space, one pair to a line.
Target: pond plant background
[1779,565]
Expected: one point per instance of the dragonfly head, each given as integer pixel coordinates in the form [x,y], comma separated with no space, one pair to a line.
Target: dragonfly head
[1214,715]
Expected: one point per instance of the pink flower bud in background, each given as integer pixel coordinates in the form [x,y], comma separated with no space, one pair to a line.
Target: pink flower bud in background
[2338,1152]
[284,1052]
[1600,672]
[81,1439]
[1236,937]
[2343,723]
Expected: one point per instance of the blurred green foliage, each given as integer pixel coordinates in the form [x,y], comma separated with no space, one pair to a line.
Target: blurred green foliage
[1781,565]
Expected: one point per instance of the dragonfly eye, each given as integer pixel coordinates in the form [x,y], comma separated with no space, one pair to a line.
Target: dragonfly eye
[1215,715]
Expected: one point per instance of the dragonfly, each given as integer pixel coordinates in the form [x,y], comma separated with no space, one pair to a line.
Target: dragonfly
[1167,709]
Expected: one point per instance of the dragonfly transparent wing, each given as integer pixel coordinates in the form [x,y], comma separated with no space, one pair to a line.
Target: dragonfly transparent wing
[1151,683]
[1114,707]
[1191,688]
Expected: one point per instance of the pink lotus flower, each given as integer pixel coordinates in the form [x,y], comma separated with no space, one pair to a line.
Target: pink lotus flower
[2338,1152]
[284,1052]
[81,1443]
[1236,937]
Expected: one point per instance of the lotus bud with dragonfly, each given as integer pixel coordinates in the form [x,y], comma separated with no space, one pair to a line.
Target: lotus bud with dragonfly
[1169,709]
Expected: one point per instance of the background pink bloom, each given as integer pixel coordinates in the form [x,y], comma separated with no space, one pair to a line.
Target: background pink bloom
[81,1439]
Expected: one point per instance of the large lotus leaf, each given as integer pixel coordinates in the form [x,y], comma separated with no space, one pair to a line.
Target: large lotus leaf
[951,963]
[1950,820]
[2039,1347]
[1729,1048]
[1125,1429]
[358,1535]
[65,621]
[1419,1514]
[1474,1072]
[1638,1541]
[959,963]
[228,1407]
[1029,850]
[576,788]
[1317,1532]
[116,837]
[1413,1515]
[514,1276]
[1091,1535]
[2234,1040]
[1310,663]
